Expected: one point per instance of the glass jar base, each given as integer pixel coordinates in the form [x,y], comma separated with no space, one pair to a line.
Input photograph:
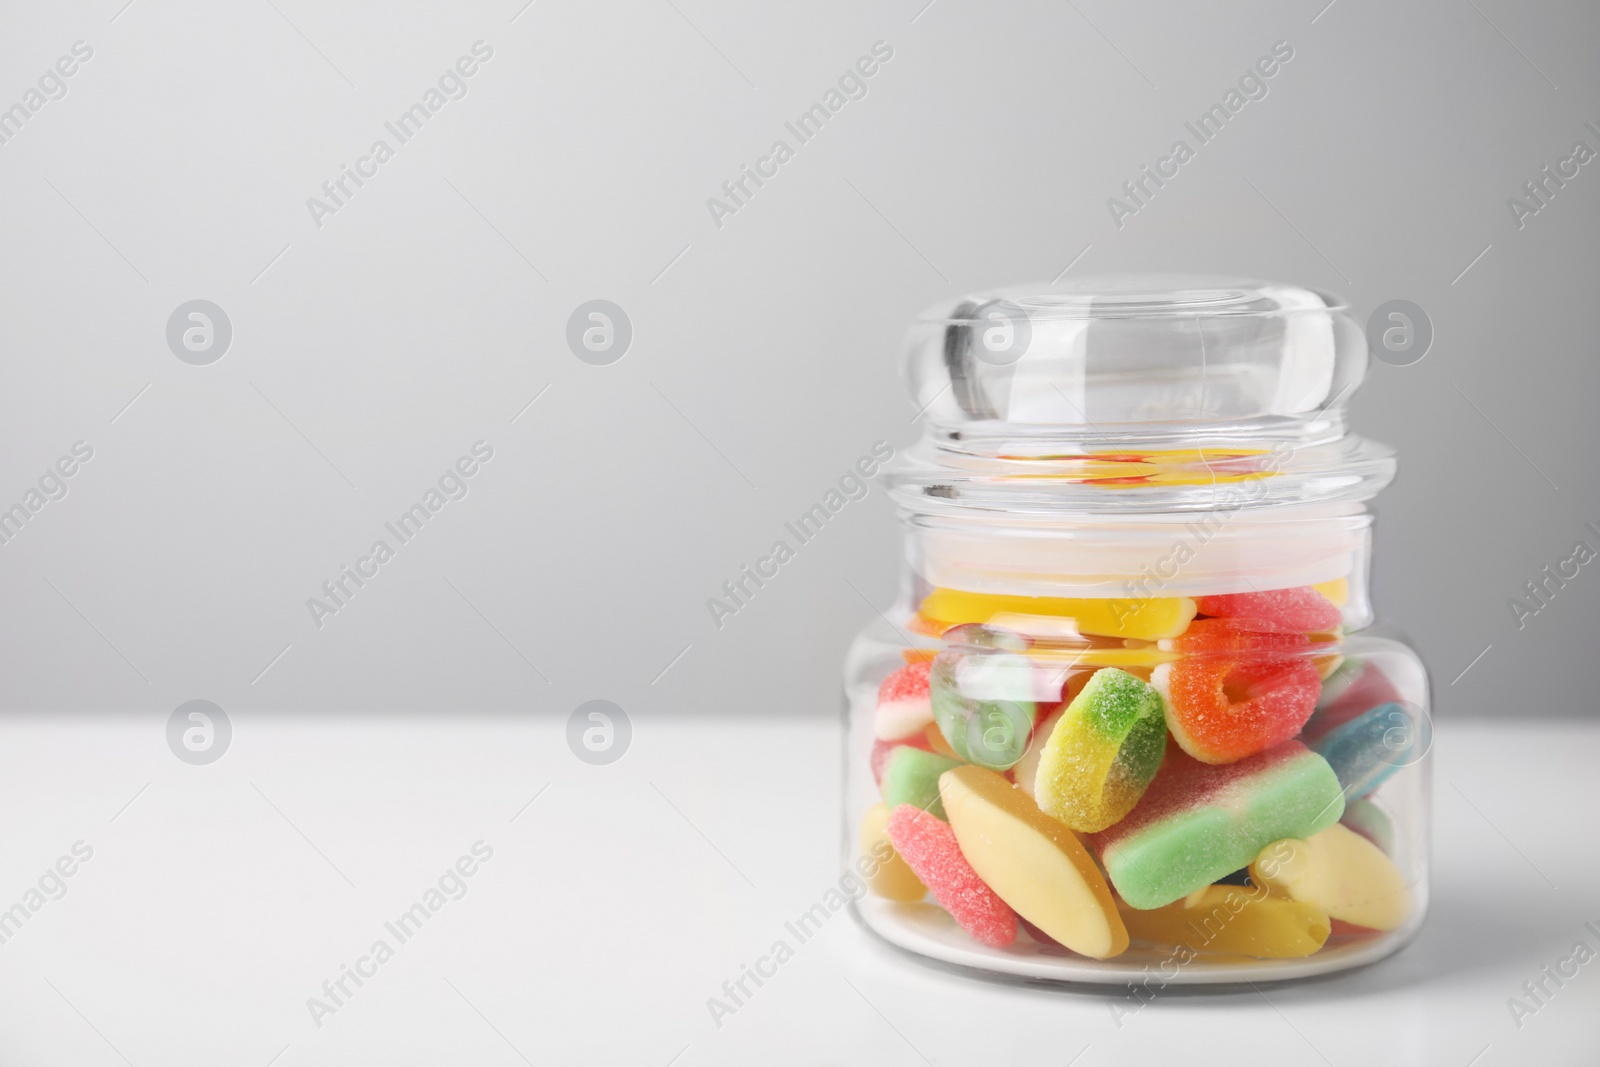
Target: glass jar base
[923,929]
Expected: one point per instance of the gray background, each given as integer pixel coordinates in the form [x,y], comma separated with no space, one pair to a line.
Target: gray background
[370,353]
[377,348]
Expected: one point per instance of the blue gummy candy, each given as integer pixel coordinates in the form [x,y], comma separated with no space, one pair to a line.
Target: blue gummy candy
[1365,751]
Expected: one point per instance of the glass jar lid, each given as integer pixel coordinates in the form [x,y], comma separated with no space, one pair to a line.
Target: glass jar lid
[1137,393]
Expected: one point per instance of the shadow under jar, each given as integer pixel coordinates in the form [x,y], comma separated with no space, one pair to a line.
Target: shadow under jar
[1132,715]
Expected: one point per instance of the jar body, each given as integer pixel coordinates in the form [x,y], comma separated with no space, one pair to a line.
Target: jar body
[1264,817]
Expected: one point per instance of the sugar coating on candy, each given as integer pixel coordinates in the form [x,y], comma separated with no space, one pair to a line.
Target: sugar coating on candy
[929,846]
[1365,751]
[890,875]
[1300,610]
[1234,637]
[1034,863]
[1103,752]
[1198,822]
[911,776]
[1234,693]
[904,707]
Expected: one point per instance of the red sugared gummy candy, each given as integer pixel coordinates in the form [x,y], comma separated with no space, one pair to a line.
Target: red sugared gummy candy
[905,707]
[1298,610]
[929,846]
[908,683]
[1237,692]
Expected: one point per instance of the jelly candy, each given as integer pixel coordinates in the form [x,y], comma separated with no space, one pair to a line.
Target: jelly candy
[983,703]
[933,740]
[1034,863]
[1365,751]
[1236,693]
[892,876]
[929,847]
[1197,821]
[1371,822]
[1103,752]
[1337,591]
[1340,872]
[904,708]
[1027,768]
[911,776]
[1299,610]
[1354,689]
[882,750]
[1148,620]
[1243,921]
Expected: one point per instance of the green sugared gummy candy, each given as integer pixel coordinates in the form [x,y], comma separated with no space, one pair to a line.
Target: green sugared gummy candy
[1199,822]
[1124,710]
[911,776]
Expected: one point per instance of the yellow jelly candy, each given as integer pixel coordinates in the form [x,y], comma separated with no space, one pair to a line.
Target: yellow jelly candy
[893,877]
[1103,753]
[1032,862]
[1240,920]
[937,743]
[1337,591]
[1147,619]
[1340,872]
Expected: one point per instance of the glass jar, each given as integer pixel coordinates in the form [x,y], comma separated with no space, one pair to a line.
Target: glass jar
[1132,718]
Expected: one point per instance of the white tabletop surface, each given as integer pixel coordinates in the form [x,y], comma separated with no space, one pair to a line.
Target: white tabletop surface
[219,898]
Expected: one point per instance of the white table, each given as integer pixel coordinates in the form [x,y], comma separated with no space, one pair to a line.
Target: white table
[223,896]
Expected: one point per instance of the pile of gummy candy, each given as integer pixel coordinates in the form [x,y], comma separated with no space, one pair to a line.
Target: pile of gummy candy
[1221,793]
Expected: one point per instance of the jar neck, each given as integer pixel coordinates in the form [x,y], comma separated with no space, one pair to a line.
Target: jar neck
[1137,558]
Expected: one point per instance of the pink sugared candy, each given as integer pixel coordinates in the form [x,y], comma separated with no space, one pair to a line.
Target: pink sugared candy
[904,706]
[929,846]
[1299,610]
